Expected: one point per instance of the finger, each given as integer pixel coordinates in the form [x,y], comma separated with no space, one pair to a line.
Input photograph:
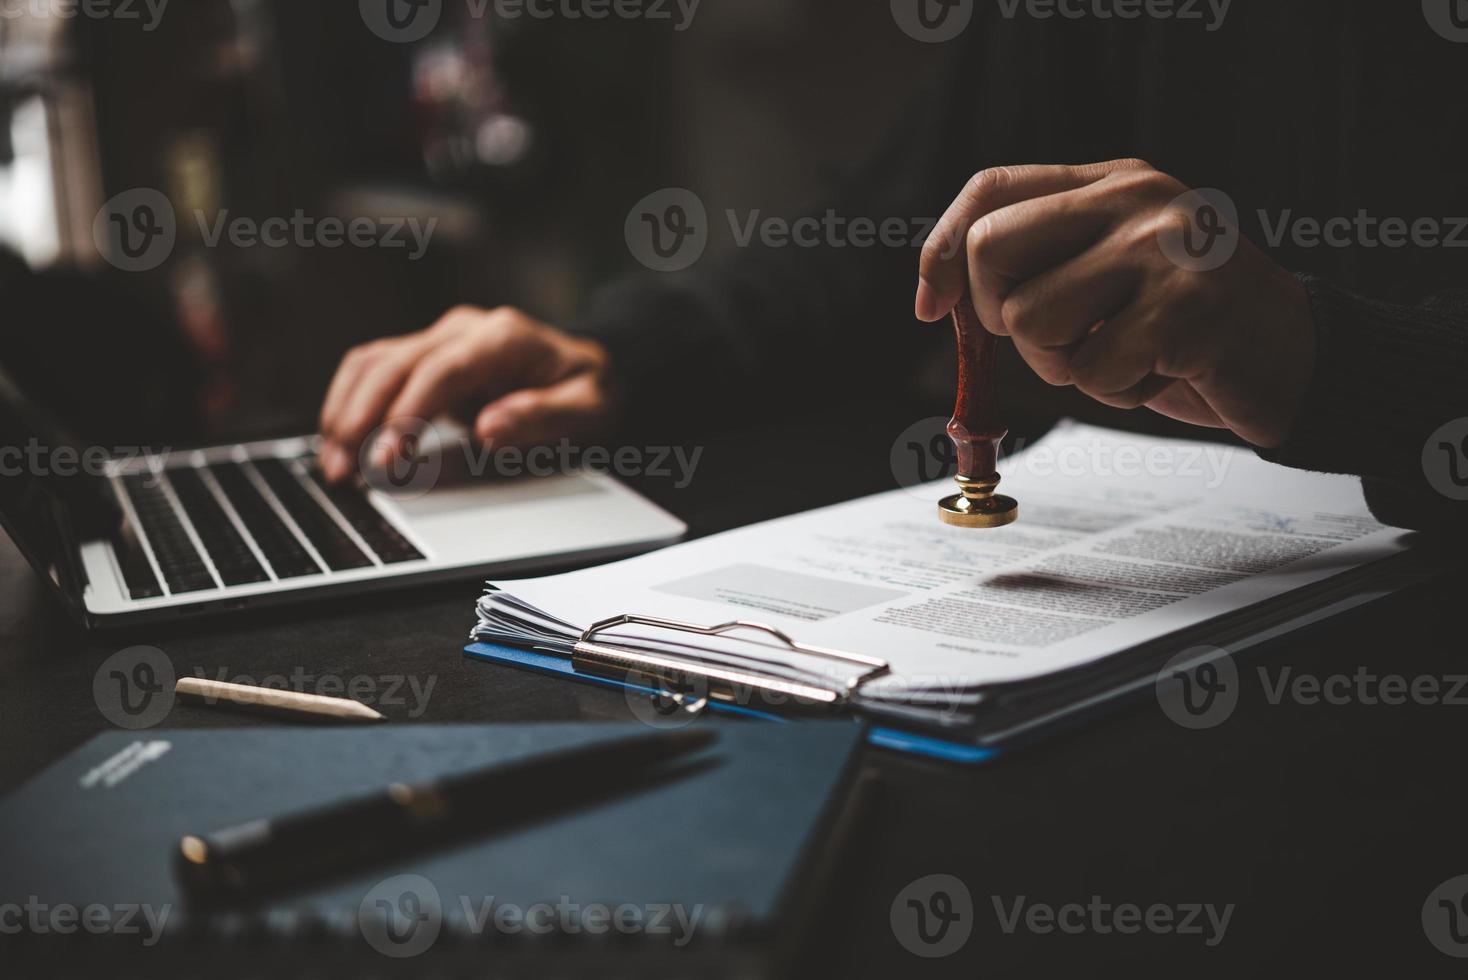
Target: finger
[1018,243]
[374,389]
[340,438]
[336,392]
[1061,306]
[1051,364]
[1116,364]
[539,416]
[1182,402]
[943,269]
[482,366]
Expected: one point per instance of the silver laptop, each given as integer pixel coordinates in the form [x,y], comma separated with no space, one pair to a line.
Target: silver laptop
[232,527]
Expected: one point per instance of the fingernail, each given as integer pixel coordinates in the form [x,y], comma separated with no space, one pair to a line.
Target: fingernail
[494,425]
[927,299]
[333,461]
[384,449]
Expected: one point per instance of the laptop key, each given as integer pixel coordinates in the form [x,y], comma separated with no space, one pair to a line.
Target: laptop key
[287,558]
[182,566]
[384,539]
[137,573]
[232,557]
[325,535]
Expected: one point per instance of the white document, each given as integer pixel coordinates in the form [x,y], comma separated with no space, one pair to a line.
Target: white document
[1121,539]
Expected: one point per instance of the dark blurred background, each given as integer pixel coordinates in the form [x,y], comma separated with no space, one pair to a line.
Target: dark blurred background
[527,139]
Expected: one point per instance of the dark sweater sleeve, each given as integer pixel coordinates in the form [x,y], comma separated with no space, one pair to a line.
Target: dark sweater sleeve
[1388,379]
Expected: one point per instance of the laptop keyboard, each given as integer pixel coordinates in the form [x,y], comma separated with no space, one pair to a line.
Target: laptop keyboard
[233,559]
[183,567]
[277,543]
[329,540]
[367,521]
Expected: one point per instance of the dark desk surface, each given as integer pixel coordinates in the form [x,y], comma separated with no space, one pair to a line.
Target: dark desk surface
[1327,827]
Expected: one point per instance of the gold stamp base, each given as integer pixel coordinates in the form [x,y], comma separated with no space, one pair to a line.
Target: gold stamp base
[978,506]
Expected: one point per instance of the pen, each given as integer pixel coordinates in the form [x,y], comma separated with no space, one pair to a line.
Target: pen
[266,854]
[198,690]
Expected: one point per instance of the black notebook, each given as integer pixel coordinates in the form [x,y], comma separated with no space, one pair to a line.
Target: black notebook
[715,868]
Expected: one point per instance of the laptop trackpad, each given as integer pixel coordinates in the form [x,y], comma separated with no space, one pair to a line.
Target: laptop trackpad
[458,497]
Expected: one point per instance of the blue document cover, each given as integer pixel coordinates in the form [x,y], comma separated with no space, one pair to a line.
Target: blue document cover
[915,743]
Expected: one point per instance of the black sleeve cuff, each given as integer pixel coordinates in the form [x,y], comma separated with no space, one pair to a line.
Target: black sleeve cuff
[1386,378]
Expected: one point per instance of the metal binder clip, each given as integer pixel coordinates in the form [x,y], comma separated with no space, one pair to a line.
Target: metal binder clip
[675,680]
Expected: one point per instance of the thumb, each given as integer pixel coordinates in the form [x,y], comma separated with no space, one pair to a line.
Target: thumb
[529,417]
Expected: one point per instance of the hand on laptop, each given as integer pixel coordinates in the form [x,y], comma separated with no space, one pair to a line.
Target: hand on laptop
[515,380]
[1109,279]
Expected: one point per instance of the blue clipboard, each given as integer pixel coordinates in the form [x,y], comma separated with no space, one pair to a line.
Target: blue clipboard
[913,743]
